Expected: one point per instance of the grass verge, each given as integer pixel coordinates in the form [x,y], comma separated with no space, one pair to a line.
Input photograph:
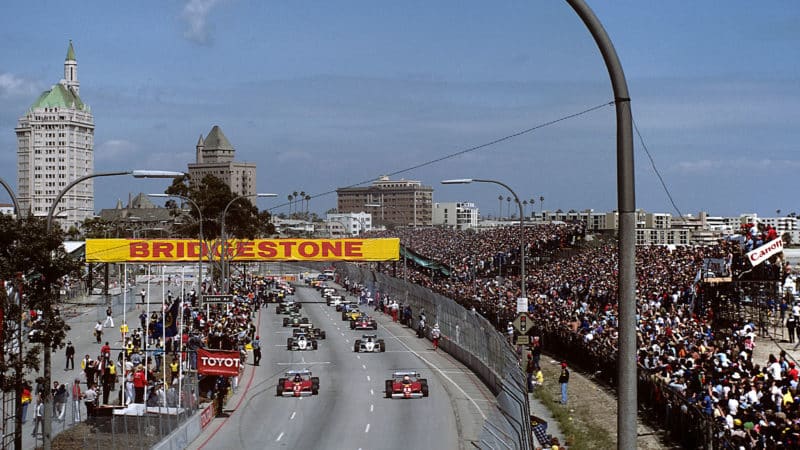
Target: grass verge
[579,426]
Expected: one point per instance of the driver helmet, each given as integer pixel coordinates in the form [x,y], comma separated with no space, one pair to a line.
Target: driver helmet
[406,379]
[297,378]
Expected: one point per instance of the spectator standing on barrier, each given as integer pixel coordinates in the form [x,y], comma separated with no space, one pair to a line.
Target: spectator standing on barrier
[256,351]
[563,380]
[221,389]
[435,335]
[395,310]
[791,325]
[90,399]
[59,401]
[77,396]
[139,383]
[529,371]
[143,295]
[26,400]
[123,331]
[510,331]
[38,417]
[69,353]
[109,318]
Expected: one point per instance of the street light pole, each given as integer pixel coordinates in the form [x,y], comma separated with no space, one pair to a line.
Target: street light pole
[224,252]
[47,428]
[521,222]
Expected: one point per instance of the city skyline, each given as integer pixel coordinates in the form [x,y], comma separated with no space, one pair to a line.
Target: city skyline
[326,96]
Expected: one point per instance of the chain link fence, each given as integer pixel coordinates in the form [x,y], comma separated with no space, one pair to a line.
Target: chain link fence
[470,338]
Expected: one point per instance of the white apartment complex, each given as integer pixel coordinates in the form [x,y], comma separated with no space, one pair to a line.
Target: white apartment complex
[55,146]
[457,215]
[348,224]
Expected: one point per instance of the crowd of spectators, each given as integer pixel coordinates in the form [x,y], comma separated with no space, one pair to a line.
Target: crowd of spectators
[573,290]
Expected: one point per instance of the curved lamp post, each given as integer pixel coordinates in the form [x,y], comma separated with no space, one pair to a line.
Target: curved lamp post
[12,195]
[224,252]
[521,221]
[47,350]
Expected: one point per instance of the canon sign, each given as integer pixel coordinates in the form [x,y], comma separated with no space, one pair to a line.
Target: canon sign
[223,363]
[765,252]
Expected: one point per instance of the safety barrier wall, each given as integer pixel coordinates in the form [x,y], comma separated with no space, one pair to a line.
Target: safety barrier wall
[469,338]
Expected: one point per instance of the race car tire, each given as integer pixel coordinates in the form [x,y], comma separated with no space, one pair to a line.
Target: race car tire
[316,331]
[313,345]
[424,386]
[281,382]
[314,385]
[388,391]
[374,326]
[285,321]
[357,345]
[299,305]
[277,311]
[344,315]
[322,335]
[352,325]
[381,345]
[304,320]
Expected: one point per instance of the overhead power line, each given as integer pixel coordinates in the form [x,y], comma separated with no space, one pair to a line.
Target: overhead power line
[468,150]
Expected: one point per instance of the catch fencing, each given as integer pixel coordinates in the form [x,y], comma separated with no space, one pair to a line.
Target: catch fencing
[472,340]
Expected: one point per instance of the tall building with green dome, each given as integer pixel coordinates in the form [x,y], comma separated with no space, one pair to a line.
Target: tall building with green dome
[55,145]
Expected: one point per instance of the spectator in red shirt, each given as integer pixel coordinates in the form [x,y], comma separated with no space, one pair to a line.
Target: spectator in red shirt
[139,383]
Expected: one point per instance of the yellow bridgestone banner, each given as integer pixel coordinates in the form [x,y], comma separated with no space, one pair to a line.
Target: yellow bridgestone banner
[188,250]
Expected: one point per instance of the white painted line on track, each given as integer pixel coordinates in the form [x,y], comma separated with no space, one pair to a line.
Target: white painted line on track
[368,378]
[371,392]
[366,430]
[293,414]
[371,408]
[430,364]
[310,363]
[364,367]
[280,436]
[357,356]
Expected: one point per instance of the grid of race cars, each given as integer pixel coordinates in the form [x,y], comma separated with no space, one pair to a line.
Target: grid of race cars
[306,336]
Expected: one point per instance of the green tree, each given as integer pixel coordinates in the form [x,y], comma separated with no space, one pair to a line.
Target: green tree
[37,263]
[243,219]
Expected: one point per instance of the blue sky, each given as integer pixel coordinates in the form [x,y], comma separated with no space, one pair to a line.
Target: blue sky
[327,94]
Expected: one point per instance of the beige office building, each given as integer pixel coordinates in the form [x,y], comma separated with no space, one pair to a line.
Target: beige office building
[391,202]
[215,157]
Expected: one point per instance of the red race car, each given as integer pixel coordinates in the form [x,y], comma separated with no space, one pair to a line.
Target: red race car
[298,383]
[406,384]
[364,323]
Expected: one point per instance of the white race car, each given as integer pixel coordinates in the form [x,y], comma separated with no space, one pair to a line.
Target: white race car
[369,343]
[301,342]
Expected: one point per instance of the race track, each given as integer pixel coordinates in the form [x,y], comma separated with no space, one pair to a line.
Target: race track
[350,411]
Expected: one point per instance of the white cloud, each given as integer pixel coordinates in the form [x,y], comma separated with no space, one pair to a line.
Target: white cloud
[195,12]
[702,166]
[12,85]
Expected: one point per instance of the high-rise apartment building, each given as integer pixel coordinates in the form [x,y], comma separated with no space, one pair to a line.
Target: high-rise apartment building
[215,157]
[55,146]
[391,202]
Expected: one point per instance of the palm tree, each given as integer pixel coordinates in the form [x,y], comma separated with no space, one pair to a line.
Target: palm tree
[501,208]
[308,198]
[524,207]
[541,204]
[290,197]
[294,196]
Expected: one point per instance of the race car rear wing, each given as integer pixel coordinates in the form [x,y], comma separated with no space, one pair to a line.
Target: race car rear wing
[402,373]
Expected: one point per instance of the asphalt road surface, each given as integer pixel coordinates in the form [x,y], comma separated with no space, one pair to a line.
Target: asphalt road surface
[350,411]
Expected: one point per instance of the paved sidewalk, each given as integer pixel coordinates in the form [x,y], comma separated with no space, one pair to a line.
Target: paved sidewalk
[81,315]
